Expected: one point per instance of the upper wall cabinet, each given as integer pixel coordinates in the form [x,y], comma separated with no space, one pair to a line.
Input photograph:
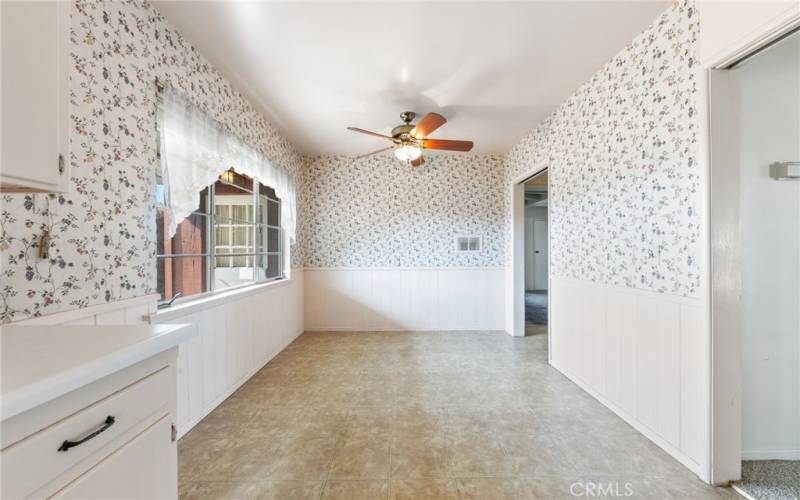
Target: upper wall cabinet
[35,96]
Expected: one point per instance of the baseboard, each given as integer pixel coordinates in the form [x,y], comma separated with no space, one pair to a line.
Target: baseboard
[677,454]
[183,429]
[771,454]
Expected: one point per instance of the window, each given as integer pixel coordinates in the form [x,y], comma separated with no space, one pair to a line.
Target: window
[234,238]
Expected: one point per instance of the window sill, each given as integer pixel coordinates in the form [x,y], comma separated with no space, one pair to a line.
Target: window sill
[213,299]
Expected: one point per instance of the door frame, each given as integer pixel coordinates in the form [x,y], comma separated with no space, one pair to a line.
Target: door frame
[725,251]
[515,279]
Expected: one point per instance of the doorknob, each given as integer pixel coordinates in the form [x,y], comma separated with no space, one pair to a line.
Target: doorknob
[536,251]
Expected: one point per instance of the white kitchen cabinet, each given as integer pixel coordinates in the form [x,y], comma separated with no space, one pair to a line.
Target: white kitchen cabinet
[151,454]
[89,411]
[35,46]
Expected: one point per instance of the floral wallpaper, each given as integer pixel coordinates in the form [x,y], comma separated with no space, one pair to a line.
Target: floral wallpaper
[625,195]
[379,212]
[102,234]
[625,189]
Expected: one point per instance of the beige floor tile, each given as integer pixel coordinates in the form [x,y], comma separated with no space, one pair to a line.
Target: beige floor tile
[509,488]
[215,490]
[298,457]
[423,415]
[204,458]
[476,454]
[251,490]
[423,489]
[536,455]
[289,490]
[421,457]
[277,422]
[417,421]
[361,457]
[369,421]
[355,490]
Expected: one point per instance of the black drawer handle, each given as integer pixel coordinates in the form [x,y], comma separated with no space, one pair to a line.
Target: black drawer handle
[66,445]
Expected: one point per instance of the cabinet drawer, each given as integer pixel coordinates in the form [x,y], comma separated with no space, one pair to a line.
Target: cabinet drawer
[145,467]
[40,458]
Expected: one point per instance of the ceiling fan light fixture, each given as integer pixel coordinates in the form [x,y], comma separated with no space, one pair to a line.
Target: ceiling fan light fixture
[408,153]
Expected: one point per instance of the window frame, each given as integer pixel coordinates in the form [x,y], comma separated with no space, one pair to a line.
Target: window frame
[210,254]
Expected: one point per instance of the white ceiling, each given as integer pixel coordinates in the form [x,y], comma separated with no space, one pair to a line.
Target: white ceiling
[494,70]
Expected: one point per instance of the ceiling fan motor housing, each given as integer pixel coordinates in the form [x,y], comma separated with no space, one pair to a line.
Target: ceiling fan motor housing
[402,132]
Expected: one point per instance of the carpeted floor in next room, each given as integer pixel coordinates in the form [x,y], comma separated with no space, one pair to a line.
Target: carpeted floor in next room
[771,479]
[535,312]
[536,307]
[421,415]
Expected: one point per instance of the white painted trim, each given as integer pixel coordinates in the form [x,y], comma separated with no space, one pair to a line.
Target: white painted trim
[725,353]
[777,27]
[515,278]
[187,426]
[770,454]
[636,424]
[85,312]
[726,286]
[215,299]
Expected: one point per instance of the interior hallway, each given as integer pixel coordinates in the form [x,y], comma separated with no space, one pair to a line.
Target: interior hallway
[450,415]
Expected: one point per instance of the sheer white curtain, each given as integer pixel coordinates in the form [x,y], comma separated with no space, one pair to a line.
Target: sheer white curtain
[196,149]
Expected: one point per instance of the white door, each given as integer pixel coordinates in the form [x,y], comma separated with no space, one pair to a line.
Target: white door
[540,254]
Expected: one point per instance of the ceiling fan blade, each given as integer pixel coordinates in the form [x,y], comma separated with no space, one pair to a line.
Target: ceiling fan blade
[361,130]
[374,152]
[447,145]
[419,161]
[428,124]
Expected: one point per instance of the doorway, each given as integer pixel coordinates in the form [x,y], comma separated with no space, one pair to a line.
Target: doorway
[755,111]
[536,255]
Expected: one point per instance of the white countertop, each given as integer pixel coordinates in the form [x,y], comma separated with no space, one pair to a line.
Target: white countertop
[41,363]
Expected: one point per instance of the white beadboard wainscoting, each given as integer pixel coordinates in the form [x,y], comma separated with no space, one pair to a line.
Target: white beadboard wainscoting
[238,333]
[644,355]
[381,299]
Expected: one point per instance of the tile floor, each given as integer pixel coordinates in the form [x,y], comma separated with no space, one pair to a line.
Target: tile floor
[402,415]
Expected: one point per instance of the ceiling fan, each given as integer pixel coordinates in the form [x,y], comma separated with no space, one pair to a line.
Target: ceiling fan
[409,140]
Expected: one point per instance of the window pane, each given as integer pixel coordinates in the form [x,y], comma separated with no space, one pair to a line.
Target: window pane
[269,267]
[223,236]
[241,235]
[263,203]
[221,210]
[236,271]
[233,179]
[238,202]
[186,275]
[268,239]
[273,239]
[222,261]
[267,191]
[190,236]
[203,205]
[273,214]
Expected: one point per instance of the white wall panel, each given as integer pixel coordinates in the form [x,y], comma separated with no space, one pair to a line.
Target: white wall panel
[404,299]
[642,354]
